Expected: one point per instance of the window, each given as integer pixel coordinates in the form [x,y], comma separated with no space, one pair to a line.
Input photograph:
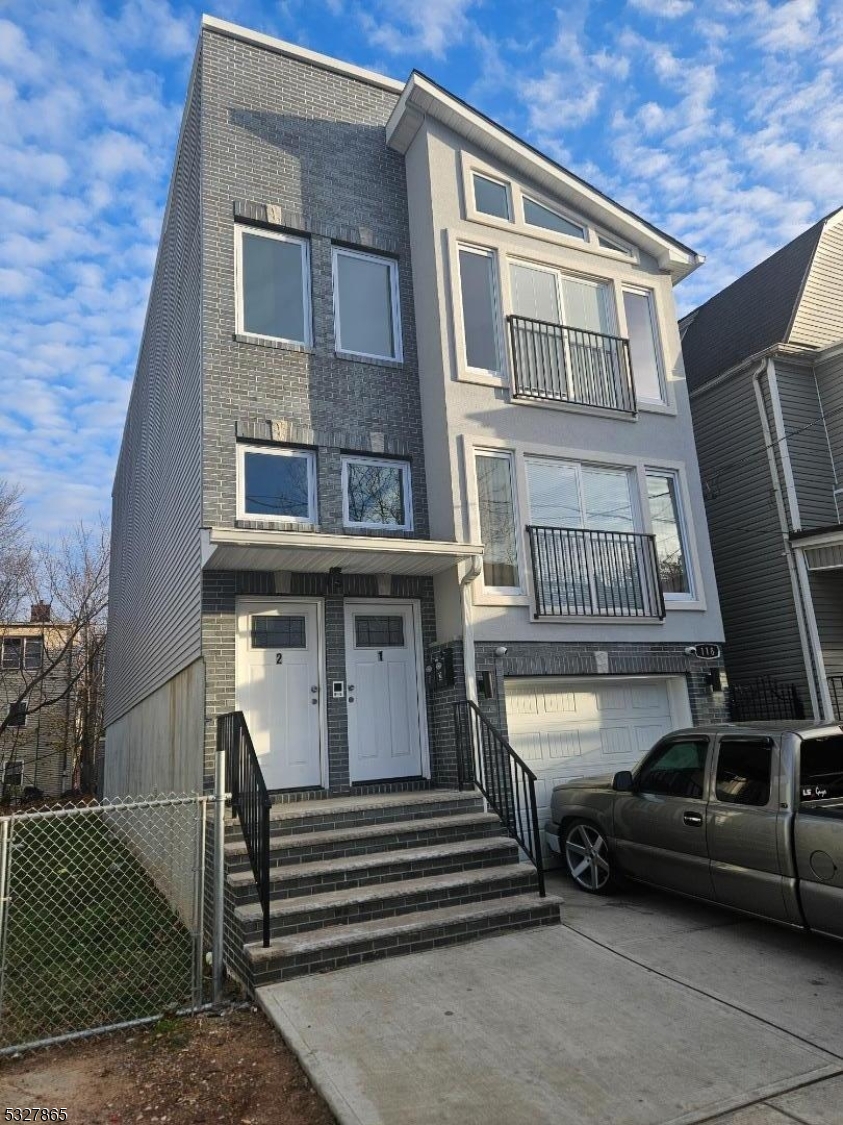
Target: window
[744,768]
[563,494]
[491,197]
[479,309]
[379,632]
[821,768]
[666,518]
[675,769]
[274,631]
[17,714]
[33,654]
[274,286]
[557,298]
[12,652]
[367,320]
[497,521]
[610,244]
[643,345]
[376,493]
[277,484]
[537,215]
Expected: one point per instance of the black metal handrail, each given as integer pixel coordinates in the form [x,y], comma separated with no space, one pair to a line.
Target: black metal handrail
[485,759]
[583,573]
[835,688]
[557,363]
[250,800]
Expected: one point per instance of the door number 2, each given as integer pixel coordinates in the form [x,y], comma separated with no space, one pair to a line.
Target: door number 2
[279,658]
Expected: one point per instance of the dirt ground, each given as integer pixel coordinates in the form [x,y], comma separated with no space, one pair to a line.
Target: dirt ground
[232,1069]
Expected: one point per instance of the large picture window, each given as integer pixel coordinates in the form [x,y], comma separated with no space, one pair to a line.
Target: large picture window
[376,493]
[276,484]
[497,521]
[273,298]
[668,528]
[367,320]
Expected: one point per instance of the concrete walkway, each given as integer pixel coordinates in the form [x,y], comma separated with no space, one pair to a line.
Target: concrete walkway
[640,1010]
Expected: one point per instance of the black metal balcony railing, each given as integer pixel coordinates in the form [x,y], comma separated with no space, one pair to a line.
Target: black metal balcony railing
[580,573]
[555,363]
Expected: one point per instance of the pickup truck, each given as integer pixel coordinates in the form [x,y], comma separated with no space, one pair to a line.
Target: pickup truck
[747,815]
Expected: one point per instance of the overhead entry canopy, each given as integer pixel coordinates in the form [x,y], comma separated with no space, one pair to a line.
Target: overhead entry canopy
[242,549]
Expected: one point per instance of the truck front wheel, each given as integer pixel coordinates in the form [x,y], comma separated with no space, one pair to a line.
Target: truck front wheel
[587,858]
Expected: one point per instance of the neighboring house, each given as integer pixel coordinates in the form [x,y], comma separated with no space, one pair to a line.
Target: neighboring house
[50,698]
[409,420]
[764,361]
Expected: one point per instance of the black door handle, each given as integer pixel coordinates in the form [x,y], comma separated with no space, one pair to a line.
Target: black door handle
[693,819]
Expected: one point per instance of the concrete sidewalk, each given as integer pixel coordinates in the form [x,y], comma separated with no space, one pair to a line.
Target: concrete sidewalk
[553,1027]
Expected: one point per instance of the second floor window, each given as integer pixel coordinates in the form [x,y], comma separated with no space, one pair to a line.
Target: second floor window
[497,521]
[564,494]
[376,493]
[669,530]
[643,344]
[273,299]
[276,484]
[367,318]
[479,316]
[12,653]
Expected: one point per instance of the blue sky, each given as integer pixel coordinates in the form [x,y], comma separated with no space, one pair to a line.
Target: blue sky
[718,121]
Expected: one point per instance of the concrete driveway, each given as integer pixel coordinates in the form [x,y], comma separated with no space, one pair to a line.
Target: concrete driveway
[641,1009]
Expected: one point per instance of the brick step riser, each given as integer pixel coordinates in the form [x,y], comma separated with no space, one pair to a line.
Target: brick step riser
[312,822]
[416,838]
[366,912]
[291,885]
[328,960]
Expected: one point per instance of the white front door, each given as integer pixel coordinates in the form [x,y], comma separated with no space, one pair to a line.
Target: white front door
[279,689]
[383,690]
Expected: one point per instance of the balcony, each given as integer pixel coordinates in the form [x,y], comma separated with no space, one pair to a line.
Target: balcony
[581,573]
[554,363]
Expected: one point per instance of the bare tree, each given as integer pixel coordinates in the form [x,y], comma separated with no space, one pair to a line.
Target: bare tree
[15,553]
[51,665]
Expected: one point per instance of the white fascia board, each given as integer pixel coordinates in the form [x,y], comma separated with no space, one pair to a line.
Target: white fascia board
[294,51]
[423,98]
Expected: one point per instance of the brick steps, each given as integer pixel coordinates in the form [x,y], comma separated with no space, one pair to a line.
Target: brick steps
[339,946]
[309,847]
[367,869]
[385,900]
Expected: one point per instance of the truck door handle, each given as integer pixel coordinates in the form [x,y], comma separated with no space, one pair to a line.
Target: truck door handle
[693,819]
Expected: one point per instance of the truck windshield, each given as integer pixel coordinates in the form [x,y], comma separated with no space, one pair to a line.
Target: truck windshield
[821,771]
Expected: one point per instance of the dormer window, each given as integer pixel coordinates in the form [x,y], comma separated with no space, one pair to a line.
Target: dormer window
[491,197]
[537,215]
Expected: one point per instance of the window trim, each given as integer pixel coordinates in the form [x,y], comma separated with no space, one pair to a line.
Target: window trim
[682,526]
[243,448]
[499,375]
[650,294]
[497,593]
[395,303]
[239,302]
[406,484]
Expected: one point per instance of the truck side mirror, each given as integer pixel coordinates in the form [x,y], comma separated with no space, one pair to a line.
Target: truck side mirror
[623,782]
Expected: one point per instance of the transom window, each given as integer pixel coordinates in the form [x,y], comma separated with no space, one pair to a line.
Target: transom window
[497,521]
[537,215]
[376,493]
[669,530]
[275,631]
[276,484]
[491,197]
[367,318]
[381,631]
[273,298]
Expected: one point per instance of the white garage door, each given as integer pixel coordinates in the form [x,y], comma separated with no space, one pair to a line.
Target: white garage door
[565,728]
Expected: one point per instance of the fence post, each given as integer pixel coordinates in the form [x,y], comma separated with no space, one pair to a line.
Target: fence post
[5,855]
[217,946]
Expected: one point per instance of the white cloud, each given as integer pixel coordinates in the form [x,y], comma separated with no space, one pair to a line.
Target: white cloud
[403,27]
[668,9]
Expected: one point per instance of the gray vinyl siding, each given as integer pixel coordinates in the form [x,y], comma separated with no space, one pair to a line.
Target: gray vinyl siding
[830,384]
[818,320]
[756,596]
[827,596]
[806,444]
[155,584]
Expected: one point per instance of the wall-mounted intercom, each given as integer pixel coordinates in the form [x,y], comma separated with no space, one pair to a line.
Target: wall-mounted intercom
[442,669]
[337,689]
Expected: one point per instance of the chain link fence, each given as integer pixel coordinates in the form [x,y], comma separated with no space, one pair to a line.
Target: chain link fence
[101,910]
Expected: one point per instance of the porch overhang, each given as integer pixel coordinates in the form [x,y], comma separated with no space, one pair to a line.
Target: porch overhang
[246,549]
[822,547]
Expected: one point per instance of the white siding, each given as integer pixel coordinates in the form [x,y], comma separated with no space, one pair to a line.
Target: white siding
[818,320]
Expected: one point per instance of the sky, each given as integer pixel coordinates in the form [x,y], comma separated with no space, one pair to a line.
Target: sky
[716,120]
